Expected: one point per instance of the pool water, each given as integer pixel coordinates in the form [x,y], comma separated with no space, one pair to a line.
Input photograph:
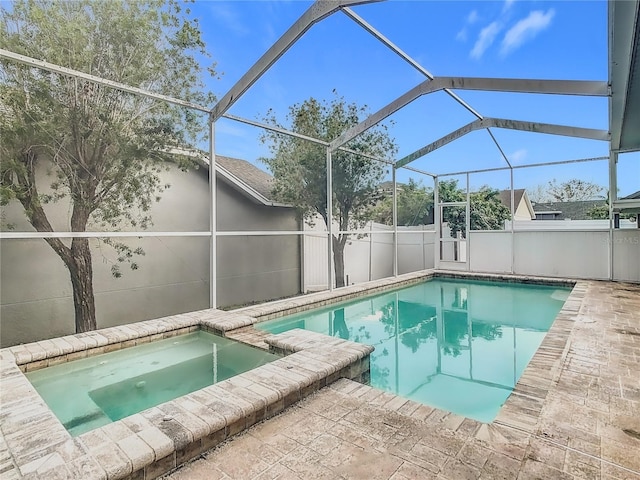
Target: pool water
[457,345]
[91,392]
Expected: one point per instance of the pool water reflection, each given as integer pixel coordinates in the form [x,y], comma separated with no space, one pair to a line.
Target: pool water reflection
[456,345]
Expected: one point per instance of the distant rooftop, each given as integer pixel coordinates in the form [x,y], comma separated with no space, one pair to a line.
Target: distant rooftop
[633,196]
[505,197]
[577,210]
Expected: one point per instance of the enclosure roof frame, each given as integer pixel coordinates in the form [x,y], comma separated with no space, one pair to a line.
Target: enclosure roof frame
[623,87]
[318,11]
[553,87]
[488,122]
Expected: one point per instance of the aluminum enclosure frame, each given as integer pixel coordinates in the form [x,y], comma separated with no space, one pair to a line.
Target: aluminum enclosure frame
[553,87]
[535,127]
[317,12]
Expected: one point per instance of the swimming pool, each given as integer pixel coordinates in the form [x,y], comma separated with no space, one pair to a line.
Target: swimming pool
[94,391]
[458,345]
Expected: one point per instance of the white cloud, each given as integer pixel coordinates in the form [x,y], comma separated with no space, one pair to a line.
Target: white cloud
[518,156]
[526,29]
[472,18]
[230,17]
[507,5]
[485,39]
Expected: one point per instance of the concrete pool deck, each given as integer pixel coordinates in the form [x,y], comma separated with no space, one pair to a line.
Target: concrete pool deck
[575,415]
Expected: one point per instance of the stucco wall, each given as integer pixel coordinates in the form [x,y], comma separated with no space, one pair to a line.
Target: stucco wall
[35,291]
[255,268]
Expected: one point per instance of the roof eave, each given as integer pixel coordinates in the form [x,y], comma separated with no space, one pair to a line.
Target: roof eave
[532,213]
[246,189]
[624,53]
[202,160]
[630,206]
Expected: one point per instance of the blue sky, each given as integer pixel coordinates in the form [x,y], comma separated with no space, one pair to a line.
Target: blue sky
[515,39]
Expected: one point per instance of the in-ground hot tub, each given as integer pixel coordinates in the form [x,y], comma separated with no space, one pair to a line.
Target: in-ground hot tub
[148,444]
[91,392]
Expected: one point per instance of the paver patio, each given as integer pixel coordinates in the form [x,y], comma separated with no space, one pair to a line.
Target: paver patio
[588,425]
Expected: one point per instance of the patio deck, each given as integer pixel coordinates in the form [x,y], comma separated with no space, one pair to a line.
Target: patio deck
[578,420]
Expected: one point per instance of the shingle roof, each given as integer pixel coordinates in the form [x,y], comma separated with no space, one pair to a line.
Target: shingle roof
[633,196]
[505,197]
[544,208]
[241,174]
[246,172]
[569,210]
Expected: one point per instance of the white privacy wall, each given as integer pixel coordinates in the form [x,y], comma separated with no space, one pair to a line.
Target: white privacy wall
[570,253]
[626,255]
[369,257]
[314,262]
[573,254]
[415,249]
[490,251]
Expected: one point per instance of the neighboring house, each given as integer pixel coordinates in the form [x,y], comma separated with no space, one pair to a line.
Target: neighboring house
[633,196]
[543,212]
[173,275]
[523,209]
[630,205]
[578,210]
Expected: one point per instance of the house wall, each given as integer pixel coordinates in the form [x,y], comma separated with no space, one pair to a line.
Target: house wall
[522,212]
[254,269]
[173,276]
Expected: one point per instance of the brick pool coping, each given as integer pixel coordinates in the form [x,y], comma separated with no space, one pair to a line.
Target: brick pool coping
[151,443]
[289,306]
